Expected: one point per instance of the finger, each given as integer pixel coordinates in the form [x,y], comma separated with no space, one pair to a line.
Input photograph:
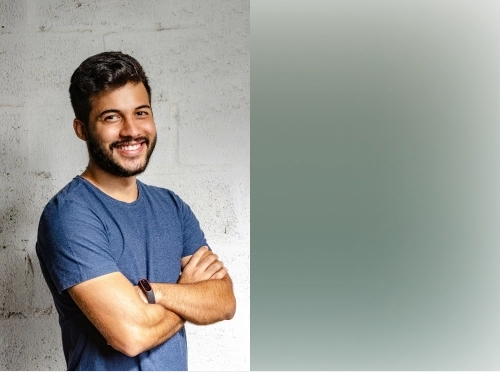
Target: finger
[206,254]
[220,274]
[206,260]
[213,268]
[198,255]
[204,273]
[204,263]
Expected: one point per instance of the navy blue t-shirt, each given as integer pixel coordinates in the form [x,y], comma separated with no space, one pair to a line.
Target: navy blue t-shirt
[84,233]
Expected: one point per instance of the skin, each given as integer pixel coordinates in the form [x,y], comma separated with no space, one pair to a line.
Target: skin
[121,115]
[121,124]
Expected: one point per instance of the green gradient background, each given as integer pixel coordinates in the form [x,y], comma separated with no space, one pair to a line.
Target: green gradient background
[375,185]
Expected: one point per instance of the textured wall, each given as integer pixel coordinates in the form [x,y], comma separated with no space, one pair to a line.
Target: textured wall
[196,54]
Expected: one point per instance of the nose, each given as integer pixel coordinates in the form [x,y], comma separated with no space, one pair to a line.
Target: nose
[129,128]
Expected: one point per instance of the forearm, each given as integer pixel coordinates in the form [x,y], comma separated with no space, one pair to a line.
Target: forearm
[158,325]
[201,303]
[129,325]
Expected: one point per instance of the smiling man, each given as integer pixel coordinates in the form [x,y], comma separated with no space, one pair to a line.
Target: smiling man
[127,264]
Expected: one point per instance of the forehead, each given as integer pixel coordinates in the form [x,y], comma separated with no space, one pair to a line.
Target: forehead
[126,97]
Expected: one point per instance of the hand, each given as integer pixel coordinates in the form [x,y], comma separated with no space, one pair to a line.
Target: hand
[202,265]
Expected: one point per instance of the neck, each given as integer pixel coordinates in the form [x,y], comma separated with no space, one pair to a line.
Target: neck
[120,188]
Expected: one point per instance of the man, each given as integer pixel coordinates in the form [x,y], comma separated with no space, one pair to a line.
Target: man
[106,230]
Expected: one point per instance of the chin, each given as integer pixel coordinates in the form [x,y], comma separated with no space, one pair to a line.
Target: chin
[130,171]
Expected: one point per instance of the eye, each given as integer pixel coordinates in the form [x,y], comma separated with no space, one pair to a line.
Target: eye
[111,118]
[142,113]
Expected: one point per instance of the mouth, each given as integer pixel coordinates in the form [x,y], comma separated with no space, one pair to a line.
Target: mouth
[130,147]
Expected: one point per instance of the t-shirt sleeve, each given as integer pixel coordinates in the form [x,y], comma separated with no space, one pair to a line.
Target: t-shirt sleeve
[74,244]
[193,236]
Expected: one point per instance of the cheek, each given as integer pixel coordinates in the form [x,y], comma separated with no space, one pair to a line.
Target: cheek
[108,135]
[150,128]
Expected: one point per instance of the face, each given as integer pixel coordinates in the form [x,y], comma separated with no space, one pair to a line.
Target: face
[121,135]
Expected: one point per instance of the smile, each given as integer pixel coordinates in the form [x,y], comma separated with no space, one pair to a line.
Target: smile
[130,147]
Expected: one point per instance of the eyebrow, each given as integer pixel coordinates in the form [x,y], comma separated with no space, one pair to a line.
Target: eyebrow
[118,111]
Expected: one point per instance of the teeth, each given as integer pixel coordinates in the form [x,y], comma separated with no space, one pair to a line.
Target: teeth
[130,147]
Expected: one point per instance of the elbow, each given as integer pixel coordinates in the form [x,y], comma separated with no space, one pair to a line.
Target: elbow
[230,309]
[231,303]
[225,312]
[128,351]
[130,342]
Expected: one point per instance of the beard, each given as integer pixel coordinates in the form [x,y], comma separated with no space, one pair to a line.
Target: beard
[103,157]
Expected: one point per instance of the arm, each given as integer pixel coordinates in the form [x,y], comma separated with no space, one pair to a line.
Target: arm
[127,323]
[201,303]
[204,293]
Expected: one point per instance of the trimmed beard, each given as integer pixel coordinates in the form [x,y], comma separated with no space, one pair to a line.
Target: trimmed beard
[104,159]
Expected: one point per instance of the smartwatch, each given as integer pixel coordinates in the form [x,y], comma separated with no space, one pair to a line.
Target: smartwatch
[148,290]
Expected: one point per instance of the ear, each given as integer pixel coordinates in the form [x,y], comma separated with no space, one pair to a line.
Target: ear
[80,129]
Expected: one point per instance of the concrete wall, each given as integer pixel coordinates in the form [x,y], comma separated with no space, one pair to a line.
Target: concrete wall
[196,54]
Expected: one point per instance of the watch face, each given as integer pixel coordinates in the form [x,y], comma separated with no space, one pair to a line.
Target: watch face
[145,285]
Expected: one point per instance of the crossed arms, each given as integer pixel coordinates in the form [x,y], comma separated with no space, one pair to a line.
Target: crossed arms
[119,310]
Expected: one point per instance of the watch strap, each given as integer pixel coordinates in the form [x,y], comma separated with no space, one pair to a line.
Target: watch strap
[147,290]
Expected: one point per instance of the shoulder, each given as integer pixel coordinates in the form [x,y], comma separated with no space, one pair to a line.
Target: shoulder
[160,194]
[70,206]
[73,193]
[155,189]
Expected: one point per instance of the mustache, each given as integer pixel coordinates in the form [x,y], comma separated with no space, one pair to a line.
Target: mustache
[128,141]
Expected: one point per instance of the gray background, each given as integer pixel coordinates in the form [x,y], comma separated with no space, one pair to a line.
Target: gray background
[196,54]
[375,185]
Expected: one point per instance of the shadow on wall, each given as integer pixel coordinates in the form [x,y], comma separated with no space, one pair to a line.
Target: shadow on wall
[29,331]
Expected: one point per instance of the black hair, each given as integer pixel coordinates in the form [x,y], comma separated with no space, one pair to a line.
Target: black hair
[103,72]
